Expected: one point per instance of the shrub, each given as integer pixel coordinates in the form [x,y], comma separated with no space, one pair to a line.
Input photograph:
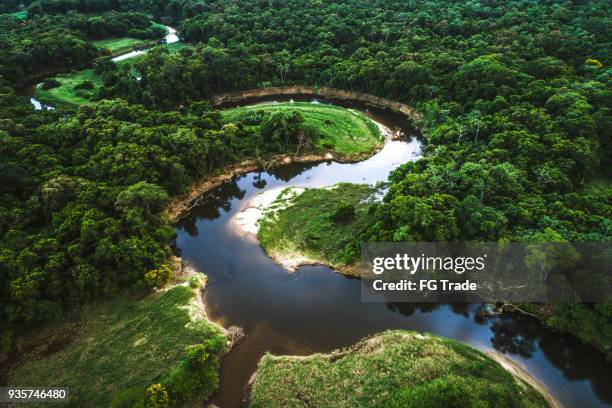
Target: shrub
[197,375]
[157,397]
[156,278]
[50,83]
[194,282]
[87,84]
[344,213]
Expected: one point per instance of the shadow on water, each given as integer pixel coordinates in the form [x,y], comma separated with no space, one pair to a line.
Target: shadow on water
[317,310]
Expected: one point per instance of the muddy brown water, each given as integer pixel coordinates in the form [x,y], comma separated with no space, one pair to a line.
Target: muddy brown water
[318,310]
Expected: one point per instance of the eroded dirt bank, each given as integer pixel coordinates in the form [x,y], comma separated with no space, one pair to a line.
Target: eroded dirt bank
[182,204]
[377,101]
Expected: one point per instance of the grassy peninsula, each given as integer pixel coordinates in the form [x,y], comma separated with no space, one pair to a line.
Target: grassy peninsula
[316,226]
[346,132]
[123,44]
[70,91]
[116,349]
[392,369]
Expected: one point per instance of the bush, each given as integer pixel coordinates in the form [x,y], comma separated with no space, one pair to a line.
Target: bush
[157,397]
[85,85]
[156,278]
[194,282]
[50,83]
[344,213]
[197,375]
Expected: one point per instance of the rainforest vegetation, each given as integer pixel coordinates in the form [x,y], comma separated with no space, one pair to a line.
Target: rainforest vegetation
[515,99]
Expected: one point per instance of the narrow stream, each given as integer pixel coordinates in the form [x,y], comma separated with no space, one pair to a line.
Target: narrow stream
[171,37]
[318,310]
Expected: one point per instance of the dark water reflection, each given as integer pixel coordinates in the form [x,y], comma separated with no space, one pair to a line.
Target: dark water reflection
[317,310]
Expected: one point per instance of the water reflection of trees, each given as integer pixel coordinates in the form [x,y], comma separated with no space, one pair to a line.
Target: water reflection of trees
[212,203]
[577,361]
[259,182]
[524,336]
[408,309]
[289,171]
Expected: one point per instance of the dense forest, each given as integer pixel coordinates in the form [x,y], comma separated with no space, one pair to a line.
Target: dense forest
[515,97]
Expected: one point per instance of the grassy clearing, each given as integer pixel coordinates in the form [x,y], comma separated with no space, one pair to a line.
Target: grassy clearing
[68,94]
[21,15]
[122,45]
[317,224]
[159,25]
[393,369]
[117,345]
[344,131]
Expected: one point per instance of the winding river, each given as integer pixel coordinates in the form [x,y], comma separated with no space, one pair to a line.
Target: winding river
[317,310]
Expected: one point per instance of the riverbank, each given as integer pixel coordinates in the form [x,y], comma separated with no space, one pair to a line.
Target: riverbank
[74,89]
[123,45]
[80,87]
[113,350]
[418,369]
[180,205]
[521,374]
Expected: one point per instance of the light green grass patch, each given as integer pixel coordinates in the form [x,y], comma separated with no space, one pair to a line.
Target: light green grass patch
[66,95]
[115,345]
[158,25]
[122,45]
[307,226]
[393,369]
[21,15]
[343,131]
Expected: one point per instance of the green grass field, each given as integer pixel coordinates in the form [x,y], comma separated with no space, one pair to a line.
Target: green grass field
[21,15]
[116,345]
[344,131]
[308,225]
[158,25]
[393,369]
[122,45]
[66,95]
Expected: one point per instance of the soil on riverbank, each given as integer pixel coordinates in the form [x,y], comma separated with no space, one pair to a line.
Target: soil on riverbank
[368,99]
